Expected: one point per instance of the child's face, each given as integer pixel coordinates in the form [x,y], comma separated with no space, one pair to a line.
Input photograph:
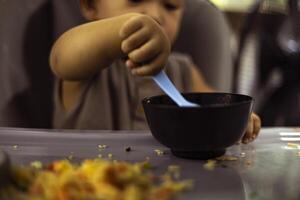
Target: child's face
[167,13]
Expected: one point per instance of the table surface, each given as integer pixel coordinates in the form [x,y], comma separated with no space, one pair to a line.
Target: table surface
[268,168]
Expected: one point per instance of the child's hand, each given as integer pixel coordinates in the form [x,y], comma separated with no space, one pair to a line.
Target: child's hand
[146,45]
[253,128]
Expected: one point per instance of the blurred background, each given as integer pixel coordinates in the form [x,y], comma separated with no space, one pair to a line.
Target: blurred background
[245,5]
[265,45]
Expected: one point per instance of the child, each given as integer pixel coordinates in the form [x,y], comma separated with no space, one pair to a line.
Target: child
[93,61]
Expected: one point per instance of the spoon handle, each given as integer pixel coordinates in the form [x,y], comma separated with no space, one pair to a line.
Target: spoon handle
[167,86]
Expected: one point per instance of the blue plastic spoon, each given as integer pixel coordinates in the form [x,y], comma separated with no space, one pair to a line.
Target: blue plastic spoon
[167,86]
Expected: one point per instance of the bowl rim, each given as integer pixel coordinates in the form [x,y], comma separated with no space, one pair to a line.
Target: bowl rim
[251,99]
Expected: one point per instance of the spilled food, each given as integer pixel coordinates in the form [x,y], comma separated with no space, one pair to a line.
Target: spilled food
[94,179]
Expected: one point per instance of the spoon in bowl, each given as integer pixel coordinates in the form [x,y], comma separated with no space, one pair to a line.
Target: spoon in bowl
[167,86]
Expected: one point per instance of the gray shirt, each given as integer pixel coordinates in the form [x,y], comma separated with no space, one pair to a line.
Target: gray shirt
[111,100]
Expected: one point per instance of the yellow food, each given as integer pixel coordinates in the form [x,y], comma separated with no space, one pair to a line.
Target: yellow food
[210,165]
[293,145]
[96,179]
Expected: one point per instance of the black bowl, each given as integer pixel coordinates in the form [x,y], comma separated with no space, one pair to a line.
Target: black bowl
[198,132]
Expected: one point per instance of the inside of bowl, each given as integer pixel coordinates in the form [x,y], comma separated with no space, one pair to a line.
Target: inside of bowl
[203,99]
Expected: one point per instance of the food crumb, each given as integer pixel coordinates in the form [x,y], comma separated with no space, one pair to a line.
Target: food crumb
[127,149]
[227,158]
[159,152]
[36,164]
[293,145]
[210,165]
[102,146]
[110,155]
[100,156]
[71,156]
[146,165]
[248,162]
[243,154]
[15,147]
[174,170]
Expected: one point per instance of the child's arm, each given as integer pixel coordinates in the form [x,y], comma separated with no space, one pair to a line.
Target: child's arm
[85,50]
[82,51]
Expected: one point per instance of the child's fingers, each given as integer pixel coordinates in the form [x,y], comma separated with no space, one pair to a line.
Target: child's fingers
[146,52]
[136,40]
[253,128]
[249,131]
[130,26]
[130,65]
[256,125]
[150,68]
